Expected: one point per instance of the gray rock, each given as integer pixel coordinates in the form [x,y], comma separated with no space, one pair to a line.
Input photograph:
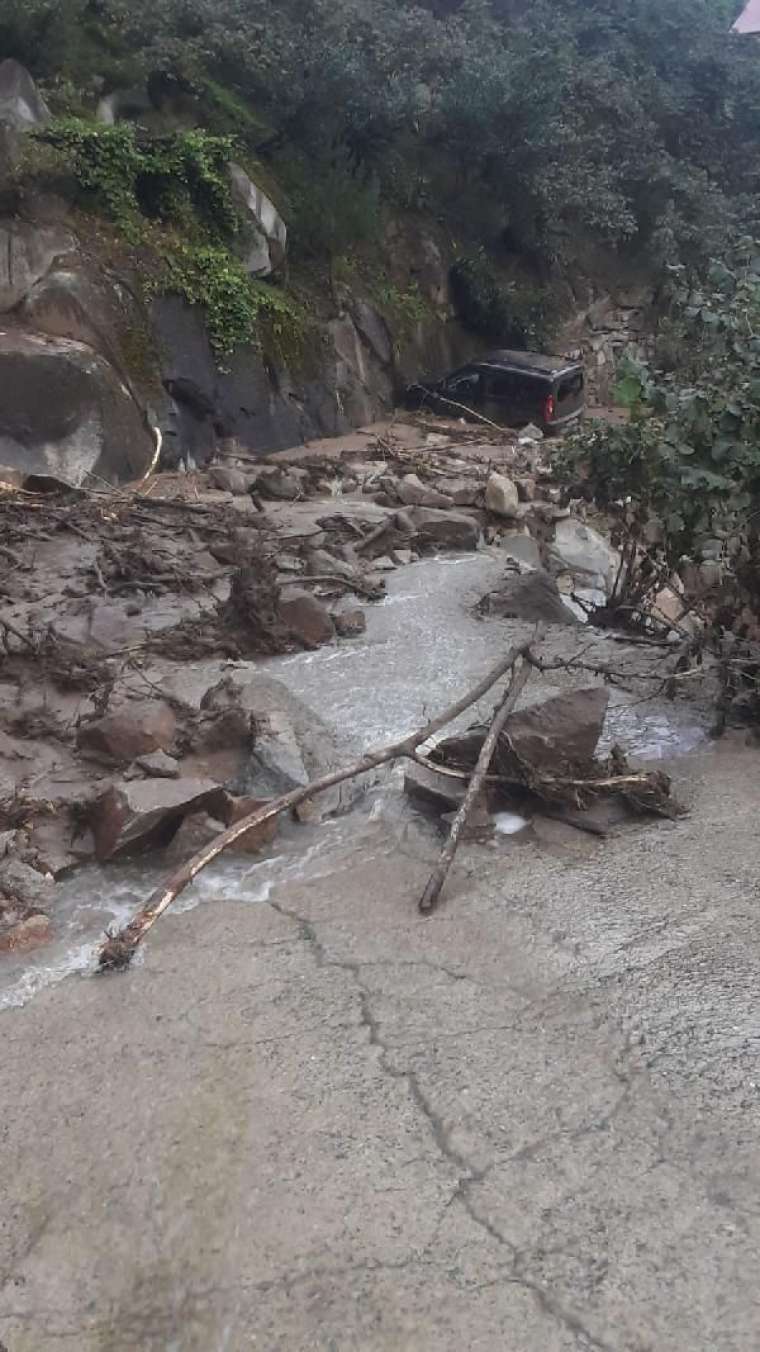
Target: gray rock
[292,746]
[384,564]
[363,385]
[433,498]
[306,618]
[374,330]
[136,730]
[441,792]
[65,413]
[404,523]
[463,492]
[550,512]
[447,530]
[502,497]
[321,562]
[350,621]
[410,490]
[579,550]
[267,228]
[22,108]
[194,831]
[557,736]
[530,433]
[123,103]
[137,815]
[531,597]
[521,547]
[278,484]
[159,765]
[27,253]
[560,732]
[7,839]
[20,882]
[228,480]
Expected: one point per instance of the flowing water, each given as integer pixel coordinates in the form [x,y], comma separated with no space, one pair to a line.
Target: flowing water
[423,647]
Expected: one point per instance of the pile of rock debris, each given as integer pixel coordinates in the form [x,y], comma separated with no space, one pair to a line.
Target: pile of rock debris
[135,713]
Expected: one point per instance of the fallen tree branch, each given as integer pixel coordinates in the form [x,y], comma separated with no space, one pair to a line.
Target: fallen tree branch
[334,580]
[118,949]
[376,534]
[519,678]
[17,633]
[471,413]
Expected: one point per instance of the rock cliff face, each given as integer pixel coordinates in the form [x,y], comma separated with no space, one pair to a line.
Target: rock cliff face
[92,372]
[75,403]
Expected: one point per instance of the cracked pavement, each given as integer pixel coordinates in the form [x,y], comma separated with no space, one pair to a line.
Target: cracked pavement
[530,1122]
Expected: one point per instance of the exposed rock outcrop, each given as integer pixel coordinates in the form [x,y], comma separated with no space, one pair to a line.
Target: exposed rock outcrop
[22,107]
[65,414]
[265,252]
[27,253]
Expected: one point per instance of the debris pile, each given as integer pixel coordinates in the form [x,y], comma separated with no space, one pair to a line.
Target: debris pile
[123,726]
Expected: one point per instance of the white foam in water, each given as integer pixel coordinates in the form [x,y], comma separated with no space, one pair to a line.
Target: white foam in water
[81,919]
[508,823]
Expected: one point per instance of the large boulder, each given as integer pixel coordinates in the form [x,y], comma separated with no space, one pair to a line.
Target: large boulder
[136,730]
[374,331]
[22,108]
[65,414]
[306,618]
[269,235]
[68,302]
[26,255]
[292,746]
[447,530]
[580,550]
[555,737]
[502,496]
[532,596]
[132,816]
[363,385]
[563,730]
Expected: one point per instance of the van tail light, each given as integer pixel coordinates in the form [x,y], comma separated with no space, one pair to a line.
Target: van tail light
[549,408]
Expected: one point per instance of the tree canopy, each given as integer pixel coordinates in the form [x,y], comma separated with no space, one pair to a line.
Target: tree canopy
[629,121]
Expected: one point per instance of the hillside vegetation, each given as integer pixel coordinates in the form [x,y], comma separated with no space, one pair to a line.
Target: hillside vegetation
[533,128]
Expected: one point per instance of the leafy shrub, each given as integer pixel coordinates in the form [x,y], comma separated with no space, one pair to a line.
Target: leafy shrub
[240,312]
[332,208]
[518,317]
[172,178]
[690,454]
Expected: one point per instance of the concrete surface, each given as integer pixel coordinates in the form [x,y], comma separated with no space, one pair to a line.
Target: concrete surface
[528,1124]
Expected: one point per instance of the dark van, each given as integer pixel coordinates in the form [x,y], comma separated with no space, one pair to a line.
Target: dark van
[508,387]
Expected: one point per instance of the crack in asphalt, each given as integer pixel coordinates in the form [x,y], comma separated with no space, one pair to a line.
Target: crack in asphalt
[469,1175]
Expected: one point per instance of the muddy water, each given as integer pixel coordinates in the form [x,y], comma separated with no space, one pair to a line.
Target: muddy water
[423,648]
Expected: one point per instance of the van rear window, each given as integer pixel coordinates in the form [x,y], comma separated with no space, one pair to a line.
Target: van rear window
[570,388]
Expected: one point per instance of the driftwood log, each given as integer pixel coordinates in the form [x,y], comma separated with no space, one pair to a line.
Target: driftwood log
[118,949]
[431,895]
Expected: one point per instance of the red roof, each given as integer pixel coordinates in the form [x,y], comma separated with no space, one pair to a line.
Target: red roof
[749,19]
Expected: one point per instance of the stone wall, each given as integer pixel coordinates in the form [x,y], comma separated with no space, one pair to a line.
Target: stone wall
[614,324]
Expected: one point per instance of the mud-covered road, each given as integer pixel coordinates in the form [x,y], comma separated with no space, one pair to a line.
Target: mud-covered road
[307,1119]
[317,1122]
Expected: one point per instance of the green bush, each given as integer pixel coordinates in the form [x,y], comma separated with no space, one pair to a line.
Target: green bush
[240,312]
[690,455]
[177,178]
[505,312]
[332,210]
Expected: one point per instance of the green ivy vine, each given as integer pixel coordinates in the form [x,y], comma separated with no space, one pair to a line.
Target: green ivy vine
[172,195]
